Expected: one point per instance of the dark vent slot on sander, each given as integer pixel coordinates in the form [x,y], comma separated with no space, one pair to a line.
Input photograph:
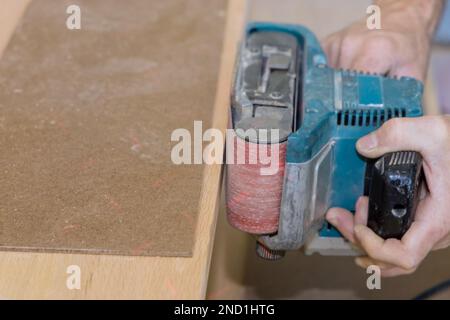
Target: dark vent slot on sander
[367,118]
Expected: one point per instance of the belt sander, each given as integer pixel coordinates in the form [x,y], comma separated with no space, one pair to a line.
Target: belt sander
[284,85]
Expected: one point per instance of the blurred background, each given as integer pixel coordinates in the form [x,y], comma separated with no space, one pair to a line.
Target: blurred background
[441,61]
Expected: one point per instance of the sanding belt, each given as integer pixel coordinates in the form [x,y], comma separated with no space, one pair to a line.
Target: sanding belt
[253,203]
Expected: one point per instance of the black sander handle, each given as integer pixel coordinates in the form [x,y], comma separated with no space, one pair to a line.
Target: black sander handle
[393,185]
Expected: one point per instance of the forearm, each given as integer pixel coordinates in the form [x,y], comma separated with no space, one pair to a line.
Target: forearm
[426,13]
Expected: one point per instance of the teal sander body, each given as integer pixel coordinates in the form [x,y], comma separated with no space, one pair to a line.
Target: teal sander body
[327,111]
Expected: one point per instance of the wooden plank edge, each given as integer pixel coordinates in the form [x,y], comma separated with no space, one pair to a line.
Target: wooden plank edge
[9,19]
[212,175]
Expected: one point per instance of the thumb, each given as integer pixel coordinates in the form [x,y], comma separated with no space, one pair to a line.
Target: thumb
[423,134]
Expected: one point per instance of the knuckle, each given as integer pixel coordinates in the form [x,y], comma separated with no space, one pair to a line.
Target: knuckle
[388,44]
[391,129]
[374,252]
[409,271]
[410,262]
[348,42]
[410,259]
[375,43]
[348,48]
[330,40]
[394,123]
[437,231]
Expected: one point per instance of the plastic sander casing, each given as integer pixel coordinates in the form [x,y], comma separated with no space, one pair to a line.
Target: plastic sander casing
[283,82]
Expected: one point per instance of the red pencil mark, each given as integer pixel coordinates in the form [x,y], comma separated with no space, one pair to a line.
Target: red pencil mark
[219,293]
[188,217]
[88,164]
[61,125]
[115,204]
[173,290]
[157,183]
[70,228]
[136,143]
[141,248]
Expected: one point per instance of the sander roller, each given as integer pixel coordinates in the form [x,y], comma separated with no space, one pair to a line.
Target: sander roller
[290,106]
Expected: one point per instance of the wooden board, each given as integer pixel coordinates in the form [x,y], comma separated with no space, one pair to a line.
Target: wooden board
[43,275]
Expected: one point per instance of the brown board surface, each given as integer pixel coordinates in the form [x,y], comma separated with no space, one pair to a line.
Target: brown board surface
[85,123]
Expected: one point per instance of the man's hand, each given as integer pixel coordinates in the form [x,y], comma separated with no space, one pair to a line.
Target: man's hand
[431,228]
[400,48]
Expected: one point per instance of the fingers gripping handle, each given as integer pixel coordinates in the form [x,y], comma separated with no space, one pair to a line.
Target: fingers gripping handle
[393,183]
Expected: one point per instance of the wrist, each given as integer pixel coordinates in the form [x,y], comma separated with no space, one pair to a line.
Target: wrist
[421,13]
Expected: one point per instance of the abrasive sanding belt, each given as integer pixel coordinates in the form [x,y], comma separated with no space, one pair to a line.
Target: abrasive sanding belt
[253,199]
